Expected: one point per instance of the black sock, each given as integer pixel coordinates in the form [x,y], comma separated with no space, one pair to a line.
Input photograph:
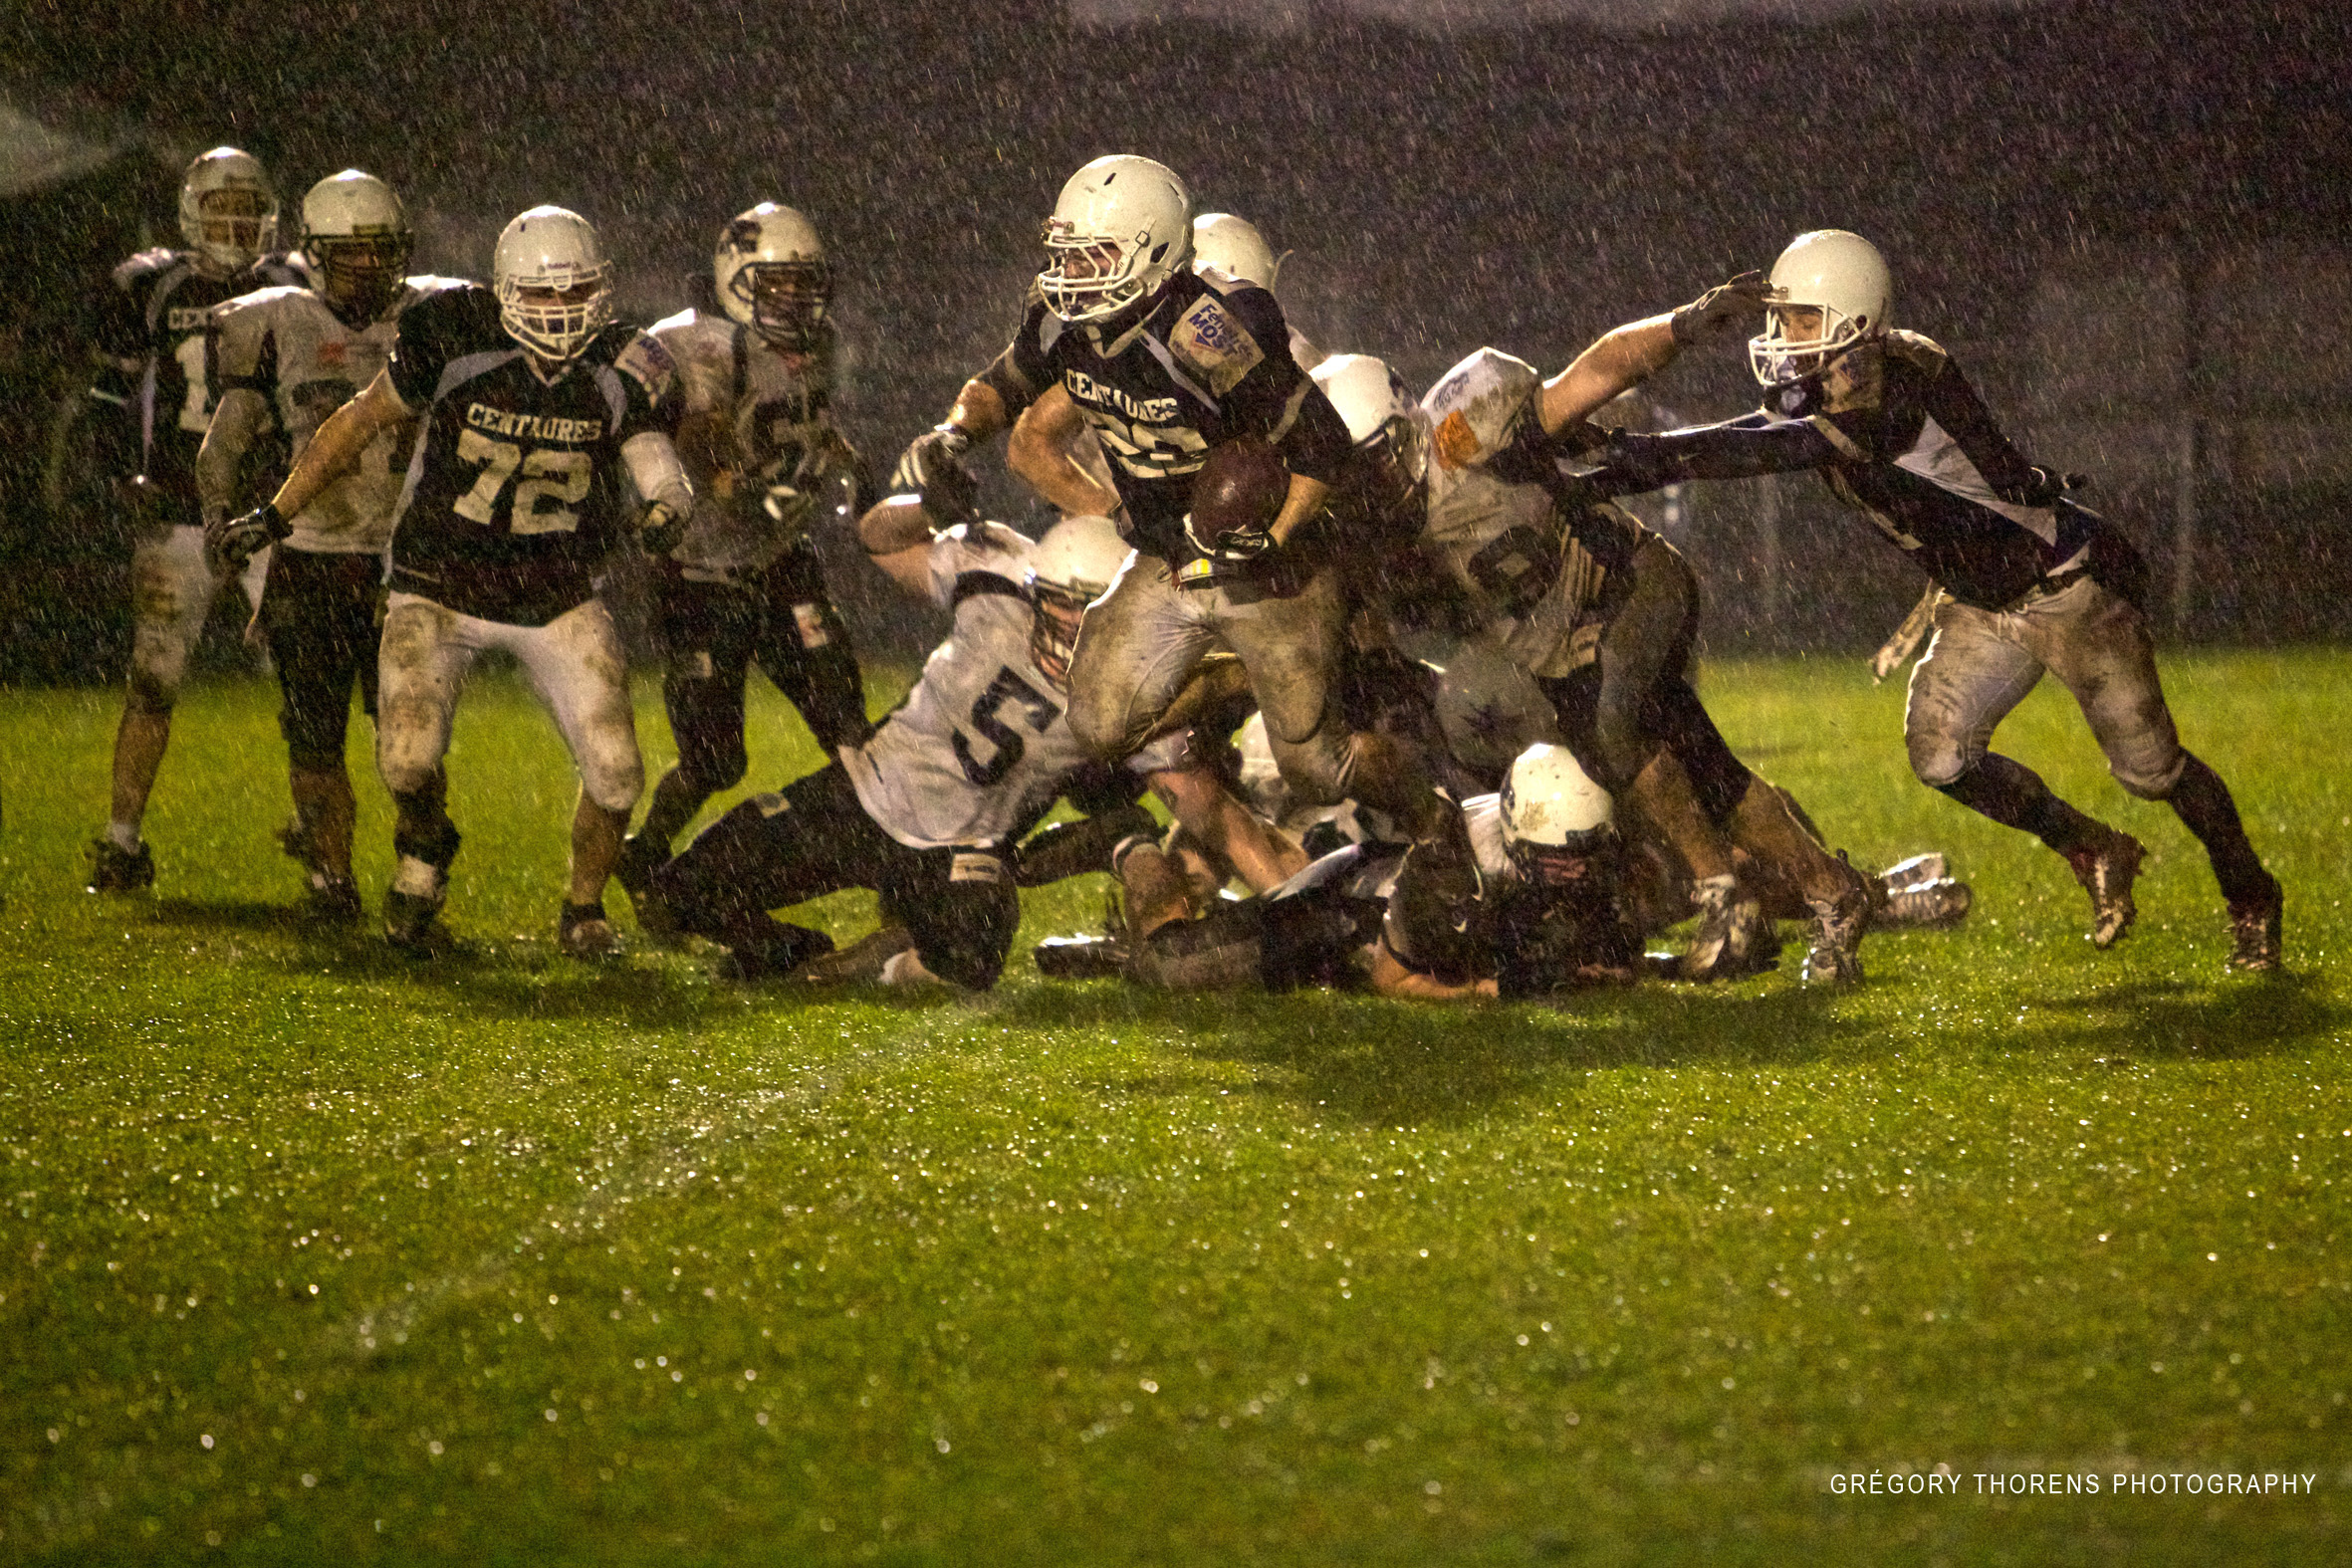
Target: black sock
[2206,810]
[676,800]
[2014,795]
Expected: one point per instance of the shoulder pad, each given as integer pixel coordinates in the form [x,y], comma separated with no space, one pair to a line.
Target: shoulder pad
[1475,405]
[260,298]
[146,265]
[1917,349]
[425,283]
[1212,338]
[684,320]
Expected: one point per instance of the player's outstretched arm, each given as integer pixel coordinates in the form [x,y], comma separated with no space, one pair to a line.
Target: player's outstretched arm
[1198,798]
[334,451]
[1627,355]
[1038,452]
[1390,978]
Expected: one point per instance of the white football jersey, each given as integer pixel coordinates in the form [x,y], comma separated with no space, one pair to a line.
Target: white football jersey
[1502,538]
[981,746]
[752,419]
[286,344]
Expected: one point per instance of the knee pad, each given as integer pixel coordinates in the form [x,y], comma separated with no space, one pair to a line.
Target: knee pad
[2149,779]
[611,771]
[1099,725]
[1940,761]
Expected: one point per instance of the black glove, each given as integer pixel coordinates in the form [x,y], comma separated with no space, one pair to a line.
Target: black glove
[235,540]
[2047,485]
[1722,308]
[931,457]
[661,527]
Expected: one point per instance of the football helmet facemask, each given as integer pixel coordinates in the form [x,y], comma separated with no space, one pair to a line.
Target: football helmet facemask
[1072,567]
[356,235]
[1837,286]
[553,285]
[1390,432]
[1234,246]
[1555,820]
[1122,228]
[772,275]
[228,209]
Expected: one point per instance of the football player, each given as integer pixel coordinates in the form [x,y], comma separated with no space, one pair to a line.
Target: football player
[743,586]
[2030,582]
[926,811]
[1598,610]
[526,391]
[1164,364]
[151,401]
[1539,913]
[290,356]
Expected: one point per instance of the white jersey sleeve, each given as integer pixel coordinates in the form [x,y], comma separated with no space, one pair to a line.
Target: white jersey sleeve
[981,746]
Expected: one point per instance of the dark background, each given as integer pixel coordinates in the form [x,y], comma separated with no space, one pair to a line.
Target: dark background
[2128,219]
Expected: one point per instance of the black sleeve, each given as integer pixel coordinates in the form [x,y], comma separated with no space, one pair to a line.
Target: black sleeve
[1952,403]
[429,337]
[119,349]
[1024,370]
[1742,448]
[1279,400]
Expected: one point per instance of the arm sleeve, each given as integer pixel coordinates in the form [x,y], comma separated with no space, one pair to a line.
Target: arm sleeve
[420,347]
[119,353]
[649,385]
[1954,404]
[1279,400]
[654,469]
[1739,448]
[1022,373]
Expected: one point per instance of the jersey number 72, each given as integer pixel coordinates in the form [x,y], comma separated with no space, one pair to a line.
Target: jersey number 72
[553,482]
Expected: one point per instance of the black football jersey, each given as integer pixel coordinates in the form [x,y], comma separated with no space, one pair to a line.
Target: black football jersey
[1898,433]
[1199,369]
[511,496]
[155,381]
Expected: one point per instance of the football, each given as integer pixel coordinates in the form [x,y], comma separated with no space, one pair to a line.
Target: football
[1240,489]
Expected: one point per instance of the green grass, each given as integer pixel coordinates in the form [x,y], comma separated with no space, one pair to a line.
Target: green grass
[318,1254]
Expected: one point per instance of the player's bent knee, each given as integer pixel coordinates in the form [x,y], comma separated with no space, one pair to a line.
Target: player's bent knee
[2150,778]
[1938,761]
[615,783]
[151,692]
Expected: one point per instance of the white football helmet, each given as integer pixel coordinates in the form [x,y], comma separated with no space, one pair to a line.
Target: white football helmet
[1071,567]
[1388,426]
[1122,228]
[356,234]
[228,209]
[1840,277]
[1234,246]
[554,255]
[772,275]
[1553,815]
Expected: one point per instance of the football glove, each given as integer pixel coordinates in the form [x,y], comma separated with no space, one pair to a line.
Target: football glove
[933,460]
[2047,485]
[661,527]
[788,506]
[235,540]
[1722,308]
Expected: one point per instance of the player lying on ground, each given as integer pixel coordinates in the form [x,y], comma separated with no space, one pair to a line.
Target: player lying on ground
[2034,582]
[1601,612]
[928,810]
[1163,365]
[287,357]
[742,586]
[528,392]
[150,403]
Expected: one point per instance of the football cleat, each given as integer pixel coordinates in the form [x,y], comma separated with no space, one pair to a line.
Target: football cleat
[331,900]
[2106,874]
[1916,871]
[1082,958]
[773,949]
[413,903]
[1929,905]
[582,932]
[2254,929]
[1734,939]
[295,839]
[1836,957]
[113,870]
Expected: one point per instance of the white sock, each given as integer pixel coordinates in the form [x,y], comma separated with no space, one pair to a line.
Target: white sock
[123,836]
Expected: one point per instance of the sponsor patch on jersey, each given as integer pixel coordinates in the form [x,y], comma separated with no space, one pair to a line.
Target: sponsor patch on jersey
[1457,443]
[810,620]
[971,866]
[1214,346]
[647,361]
[186,317]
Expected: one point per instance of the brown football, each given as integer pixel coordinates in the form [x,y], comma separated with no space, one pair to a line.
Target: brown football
[1240,486]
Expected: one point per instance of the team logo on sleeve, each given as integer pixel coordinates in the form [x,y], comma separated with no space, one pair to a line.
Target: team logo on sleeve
[647,361]
[1215,346]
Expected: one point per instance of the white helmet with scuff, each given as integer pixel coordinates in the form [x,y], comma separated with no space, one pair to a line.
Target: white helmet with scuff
[554,285]
[772,275]
[1831,291]
[1122,228]
[1234,247]
[1553,815]
[1072,567]
[228,209]
[357,237]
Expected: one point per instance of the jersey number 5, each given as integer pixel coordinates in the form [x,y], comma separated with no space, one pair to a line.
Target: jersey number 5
[1034,705]
[553,482]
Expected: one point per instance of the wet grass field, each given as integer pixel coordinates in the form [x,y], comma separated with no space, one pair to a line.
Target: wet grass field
[312,1252]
